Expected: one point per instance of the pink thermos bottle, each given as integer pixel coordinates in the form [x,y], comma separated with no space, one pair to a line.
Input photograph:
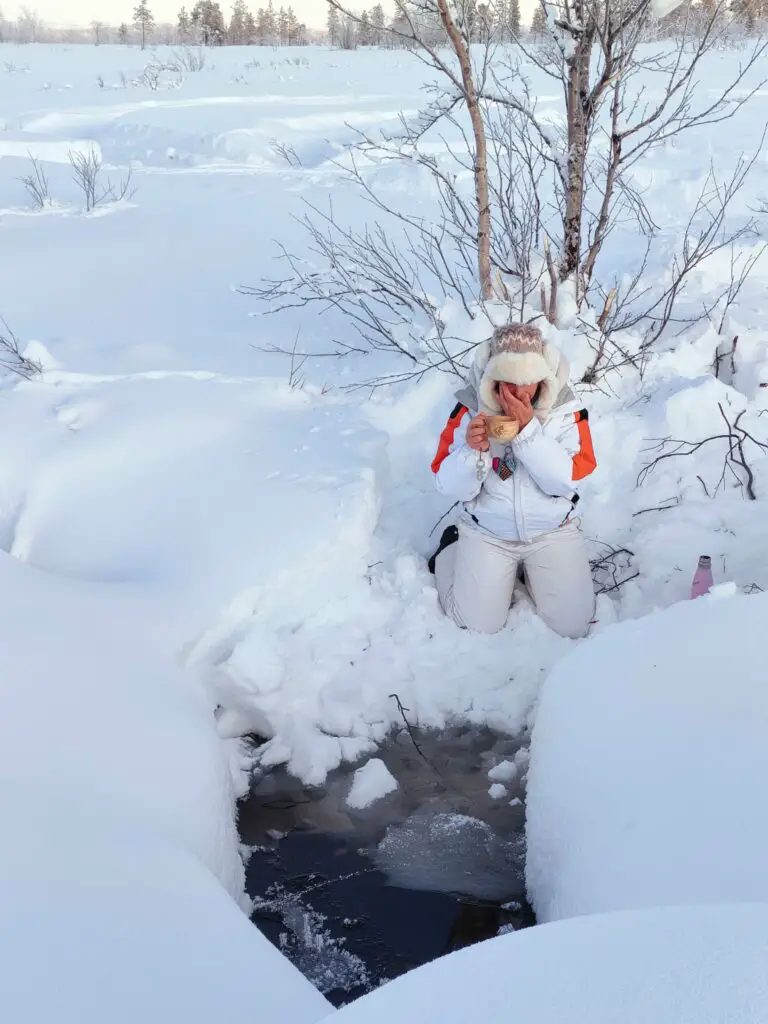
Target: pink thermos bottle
[702,580]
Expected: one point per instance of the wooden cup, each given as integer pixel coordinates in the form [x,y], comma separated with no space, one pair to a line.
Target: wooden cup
[502,428]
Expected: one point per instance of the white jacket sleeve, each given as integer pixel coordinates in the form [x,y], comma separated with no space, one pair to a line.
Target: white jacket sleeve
[457,476]
[548,458]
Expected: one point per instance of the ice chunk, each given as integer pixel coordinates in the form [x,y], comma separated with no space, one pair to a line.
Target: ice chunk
[452,853]
[370,783]
[497,791]
[506,771]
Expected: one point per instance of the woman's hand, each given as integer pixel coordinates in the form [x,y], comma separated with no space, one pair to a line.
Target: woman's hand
[477,434]
[519,409]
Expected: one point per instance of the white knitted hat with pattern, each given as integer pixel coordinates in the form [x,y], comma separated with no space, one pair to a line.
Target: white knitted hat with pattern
[517,354]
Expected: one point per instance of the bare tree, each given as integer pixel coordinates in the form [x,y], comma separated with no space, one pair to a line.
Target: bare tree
[12,360]
[594,52]
[152,74]
[547,193]
[187,58]
[457,24]
[87,168]
[349,37]
[143,17]
[36,184]
[707,232]
[29,26]
[98,28]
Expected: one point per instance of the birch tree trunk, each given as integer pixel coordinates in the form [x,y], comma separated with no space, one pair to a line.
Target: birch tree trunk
[579,122]
[482,198]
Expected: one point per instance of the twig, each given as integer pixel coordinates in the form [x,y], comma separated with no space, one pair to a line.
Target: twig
[287,152]
[720,356]
[657,508]
[738,444]
[620,583]
[701,481]
[610,564]
[442,517]
[409,727]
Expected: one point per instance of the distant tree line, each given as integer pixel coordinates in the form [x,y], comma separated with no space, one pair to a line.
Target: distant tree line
[496,19]
[206,24]
[202,24]
[500,20]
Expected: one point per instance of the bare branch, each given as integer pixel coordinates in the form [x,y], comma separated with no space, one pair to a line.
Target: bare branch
[86,168]
[735,459]
[36,184]
[12,360]
[612,570]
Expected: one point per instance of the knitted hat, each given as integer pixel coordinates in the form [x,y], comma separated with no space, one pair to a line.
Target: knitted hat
[517,354]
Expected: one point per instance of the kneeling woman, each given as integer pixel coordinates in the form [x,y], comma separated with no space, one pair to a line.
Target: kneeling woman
[519,495]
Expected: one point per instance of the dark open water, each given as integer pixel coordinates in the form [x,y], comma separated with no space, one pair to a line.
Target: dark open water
[356,898]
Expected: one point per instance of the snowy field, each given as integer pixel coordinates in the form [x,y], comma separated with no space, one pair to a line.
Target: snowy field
[172,500]
[284,527]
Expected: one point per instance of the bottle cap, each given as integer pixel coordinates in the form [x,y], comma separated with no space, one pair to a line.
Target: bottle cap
[705,561]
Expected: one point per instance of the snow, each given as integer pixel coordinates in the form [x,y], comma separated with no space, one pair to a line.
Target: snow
[505,771]
[661,8]
[695,964]
[119,869]
[370,783]
[644,760]
[204,538]
[497,791]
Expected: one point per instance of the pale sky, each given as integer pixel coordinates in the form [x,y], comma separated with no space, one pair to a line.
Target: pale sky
[83,12]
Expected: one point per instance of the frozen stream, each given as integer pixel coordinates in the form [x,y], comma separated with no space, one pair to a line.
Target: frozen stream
[357,897]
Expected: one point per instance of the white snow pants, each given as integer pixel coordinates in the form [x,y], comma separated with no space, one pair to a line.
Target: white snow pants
[476,579]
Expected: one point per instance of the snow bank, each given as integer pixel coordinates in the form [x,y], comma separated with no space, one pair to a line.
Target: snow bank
[646,762]
[699,964]
[182,482]
[119,866]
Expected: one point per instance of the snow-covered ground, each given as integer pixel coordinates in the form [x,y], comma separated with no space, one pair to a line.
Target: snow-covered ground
[178,498]
[285,523]
[702,964]
[643,787]
[119,867]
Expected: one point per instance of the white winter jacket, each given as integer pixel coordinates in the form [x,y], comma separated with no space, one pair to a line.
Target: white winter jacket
[547,459]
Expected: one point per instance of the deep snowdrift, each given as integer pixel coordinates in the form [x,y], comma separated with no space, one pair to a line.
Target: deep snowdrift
[694,965]
[119,868]
[647,760]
